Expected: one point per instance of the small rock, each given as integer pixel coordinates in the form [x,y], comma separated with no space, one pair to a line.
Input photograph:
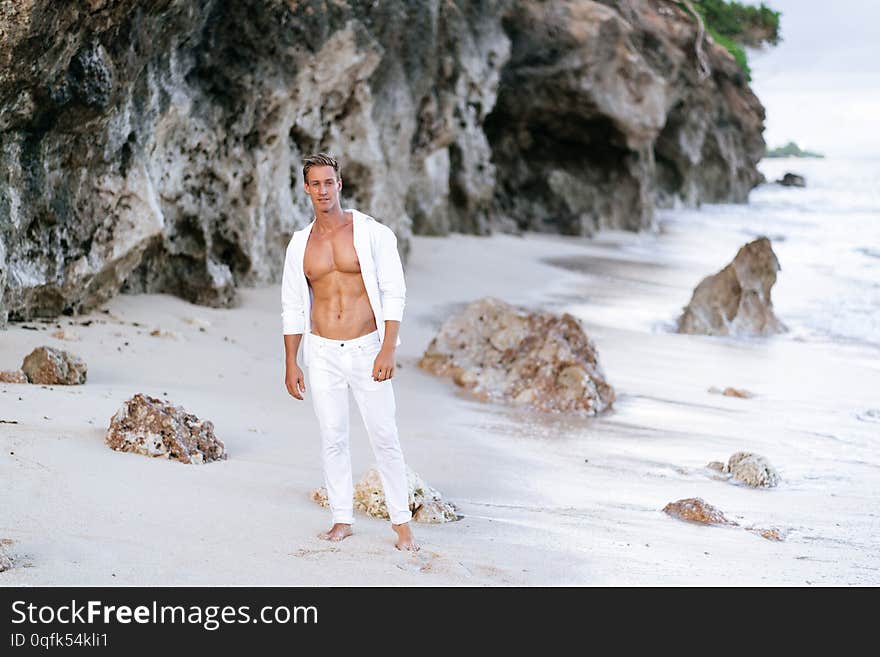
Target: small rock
[13,376]
[153,427]
[197,322]
[65,334]
[162,333]
[5,560]
[694,509]
[50,366]
[425,503]
[771,534]
[792,180]
[737,392]
[716,465]
[752,470]
[732,392]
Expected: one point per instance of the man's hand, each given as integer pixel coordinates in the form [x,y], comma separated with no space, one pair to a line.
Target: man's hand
[294,381]
[383,366]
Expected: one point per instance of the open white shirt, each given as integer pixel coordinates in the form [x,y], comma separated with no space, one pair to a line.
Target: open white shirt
[381,270]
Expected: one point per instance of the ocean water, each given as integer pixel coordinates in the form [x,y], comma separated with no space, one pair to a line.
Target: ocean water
[826,236]
[814,412]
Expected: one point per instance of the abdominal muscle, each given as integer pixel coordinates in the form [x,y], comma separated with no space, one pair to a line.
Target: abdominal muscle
[340,307]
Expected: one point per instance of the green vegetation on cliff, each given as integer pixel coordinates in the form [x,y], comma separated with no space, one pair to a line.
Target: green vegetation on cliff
[791,150]
[736,26]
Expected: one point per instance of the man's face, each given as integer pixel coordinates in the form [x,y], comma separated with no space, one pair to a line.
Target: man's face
[323,187]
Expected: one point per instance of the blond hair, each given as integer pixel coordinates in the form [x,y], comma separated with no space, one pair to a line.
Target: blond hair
[319,160]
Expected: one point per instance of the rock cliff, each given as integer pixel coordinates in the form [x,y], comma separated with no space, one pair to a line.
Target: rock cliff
[155,145]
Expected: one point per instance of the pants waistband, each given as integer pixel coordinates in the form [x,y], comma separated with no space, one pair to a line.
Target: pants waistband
[360,341]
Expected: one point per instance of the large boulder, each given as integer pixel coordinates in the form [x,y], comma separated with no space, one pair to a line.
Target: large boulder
[535,359]
[51,366]
[153,427]
[736,300]
[426,503]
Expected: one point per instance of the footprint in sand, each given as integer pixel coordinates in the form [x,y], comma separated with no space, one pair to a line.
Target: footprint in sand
[305,552]
[419,562]
[433,562]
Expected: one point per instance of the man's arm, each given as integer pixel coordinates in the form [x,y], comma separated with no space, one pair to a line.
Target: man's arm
[392,286]
[392,289]
[392,328]
[291,346]
[293,317]
[293,322]
[294,380]
[385,363]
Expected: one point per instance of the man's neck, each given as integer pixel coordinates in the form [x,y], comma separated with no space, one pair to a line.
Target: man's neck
[331,219]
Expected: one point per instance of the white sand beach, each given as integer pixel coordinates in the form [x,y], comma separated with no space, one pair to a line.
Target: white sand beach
[546,500]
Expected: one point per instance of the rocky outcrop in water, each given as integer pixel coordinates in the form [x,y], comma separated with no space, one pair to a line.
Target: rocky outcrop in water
[155,145]
[51,366]
[426,503]
[792,180]
[538,360]
[153,427]
[736,300]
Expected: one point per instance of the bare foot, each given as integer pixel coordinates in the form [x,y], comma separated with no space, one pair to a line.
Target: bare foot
[336,533]
[405,538]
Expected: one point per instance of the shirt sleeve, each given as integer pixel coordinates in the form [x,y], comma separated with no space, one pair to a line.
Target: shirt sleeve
[389,272]
[292,308]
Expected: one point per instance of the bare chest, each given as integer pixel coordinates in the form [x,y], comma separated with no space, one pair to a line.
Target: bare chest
[329,254]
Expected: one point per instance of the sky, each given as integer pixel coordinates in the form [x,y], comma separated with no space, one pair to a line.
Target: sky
[820,85]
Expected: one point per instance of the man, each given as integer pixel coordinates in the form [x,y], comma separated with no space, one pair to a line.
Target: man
[342,295]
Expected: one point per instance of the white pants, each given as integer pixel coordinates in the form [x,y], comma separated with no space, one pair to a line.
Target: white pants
[333,367]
